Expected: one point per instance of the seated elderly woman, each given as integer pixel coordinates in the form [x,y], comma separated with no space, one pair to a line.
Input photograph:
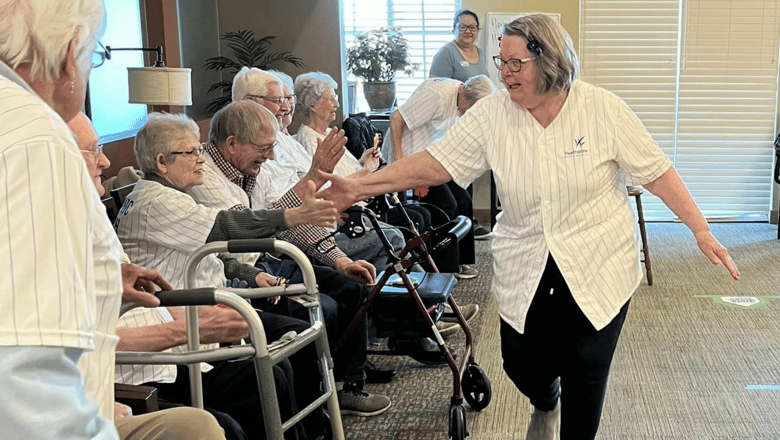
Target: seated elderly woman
[317,102]
[160,225]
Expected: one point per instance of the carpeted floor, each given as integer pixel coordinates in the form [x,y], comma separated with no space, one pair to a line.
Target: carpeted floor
[688,366]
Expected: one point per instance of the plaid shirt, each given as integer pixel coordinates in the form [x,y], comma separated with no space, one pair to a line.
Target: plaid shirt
[315,241]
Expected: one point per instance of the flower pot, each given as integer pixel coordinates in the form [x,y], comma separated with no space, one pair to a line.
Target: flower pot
[379,95]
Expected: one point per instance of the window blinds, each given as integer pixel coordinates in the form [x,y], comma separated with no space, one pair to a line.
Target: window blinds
[703,78]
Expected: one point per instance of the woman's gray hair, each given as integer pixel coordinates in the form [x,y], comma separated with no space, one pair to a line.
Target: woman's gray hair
[252,81]
[309,88]
[285,79]
[246,120]
[161,134]
[39,32]
[477,87]
[557,63]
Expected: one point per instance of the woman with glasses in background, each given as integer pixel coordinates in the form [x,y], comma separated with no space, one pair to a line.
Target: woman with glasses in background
[565,252]
[460,59]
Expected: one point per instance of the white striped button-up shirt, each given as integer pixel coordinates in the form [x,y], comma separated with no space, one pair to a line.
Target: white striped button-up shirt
[61,283]
[428,113]
[562,193]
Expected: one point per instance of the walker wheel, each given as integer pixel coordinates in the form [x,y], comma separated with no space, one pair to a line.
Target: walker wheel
[476,387]
[458,423]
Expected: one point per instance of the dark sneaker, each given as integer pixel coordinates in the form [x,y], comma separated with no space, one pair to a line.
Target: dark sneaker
[481,233]
[375,374]
[358,403]
[468,311]
[466,272]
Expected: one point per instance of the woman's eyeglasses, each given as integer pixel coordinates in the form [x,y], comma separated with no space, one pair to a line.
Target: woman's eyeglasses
[472,28]
[513,64]
[193,153]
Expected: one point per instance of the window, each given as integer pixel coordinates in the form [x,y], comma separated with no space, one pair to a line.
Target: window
[114,118]
[702,75]
[426,24]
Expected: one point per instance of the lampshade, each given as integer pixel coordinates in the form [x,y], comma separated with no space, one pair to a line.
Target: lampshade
[159,85]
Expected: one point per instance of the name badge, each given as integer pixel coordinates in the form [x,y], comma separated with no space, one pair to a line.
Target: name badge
[464,64]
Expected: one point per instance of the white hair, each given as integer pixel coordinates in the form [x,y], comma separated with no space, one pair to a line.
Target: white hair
[477,87]
[285,79]
[309,88]
[252,81]
[39,32]
[161,134]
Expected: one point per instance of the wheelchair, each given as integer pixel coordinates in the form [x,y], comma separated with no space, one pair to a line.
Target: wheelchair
[409,303]
[265,354]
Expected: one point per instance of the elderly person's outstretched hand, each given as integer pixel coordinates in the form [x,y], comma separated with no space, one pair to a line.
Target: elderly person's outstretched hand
[329,151]
[716,253]
[311,211]
[342,192]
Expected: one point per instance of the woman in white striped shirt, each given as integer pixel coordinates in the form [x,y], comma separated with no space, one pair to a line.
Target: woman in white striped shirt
[564,247]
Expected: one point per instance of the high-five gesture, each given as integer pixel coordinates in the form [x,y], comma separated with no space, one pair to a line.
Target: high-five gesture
[311,211]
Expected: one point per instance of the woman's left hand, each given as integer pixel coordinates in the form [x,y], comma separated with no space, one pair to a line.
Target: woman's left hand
[370,159]
[716,253]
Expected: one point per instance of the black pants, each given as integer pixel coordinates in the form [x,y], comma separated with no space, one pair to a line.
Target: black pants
[455,201]
[340,299]
[560,349]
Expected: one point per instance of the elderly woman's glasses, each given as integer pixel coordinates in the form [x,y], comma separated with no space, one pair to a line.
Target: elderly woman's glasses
[472,28]
[264,150]
[277,101]
[99,56]
[193,153]
[93,153]
[514,64]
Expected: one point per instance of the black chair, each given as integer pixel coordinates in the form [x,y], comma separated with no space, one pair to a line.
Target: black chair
[111,208]
[120,194]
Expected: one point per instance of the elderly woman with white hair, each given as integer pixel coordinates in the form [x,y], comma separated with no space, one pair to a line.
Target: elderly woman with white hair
[317,102]
[61,285]
[160,226]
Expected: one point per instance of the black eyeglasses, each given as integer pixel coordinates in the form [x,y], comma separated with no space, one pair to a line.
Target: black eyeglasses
[277,101]
[99,56]
[264,150]
[94,153]
[472,28]
[514,64]
[193,153]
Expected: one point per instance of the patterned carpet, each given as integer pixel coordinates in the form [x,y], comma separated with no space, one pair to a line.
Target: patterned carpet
[688,366]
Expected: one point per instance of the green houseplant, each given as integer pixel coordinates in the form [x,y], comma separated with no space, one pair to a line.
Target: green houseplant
[376,56]
[249,51]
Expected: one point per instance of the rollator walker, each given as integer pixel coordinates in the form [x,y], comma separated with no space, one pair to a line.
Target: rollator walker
[410,303]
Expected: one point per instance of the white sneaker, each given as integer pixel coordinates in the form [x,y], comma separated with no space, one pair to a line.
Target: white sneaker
[545,425]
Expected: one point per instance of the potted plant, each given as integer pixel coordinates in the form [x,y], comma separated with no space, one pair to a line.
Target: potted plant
[248,51]
[376,56]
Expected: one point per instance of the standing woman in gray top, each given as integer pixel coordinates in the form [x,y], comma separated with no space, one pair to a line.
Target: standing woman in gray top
[460,58]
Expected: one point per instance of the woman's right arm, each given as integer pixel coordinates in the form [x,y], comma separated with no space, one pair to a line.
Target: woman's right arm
[397,127]
[418,170]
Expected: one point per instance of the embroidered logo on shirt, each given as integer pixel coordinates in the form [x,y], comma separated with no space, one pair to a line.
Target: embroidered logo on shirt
[579,148]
